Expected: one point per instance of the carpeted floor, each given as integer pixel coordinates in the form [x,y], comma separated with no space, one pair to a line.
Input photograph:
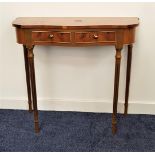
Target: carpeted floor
[75,131]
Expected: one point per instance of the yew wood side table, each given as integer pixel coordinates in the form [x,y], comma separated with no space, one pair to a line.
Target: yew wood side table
[79,31]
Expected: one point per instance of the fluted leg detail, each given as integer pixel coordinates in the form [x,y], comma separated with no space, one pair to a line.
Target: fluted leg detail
[116,87]
[33,85]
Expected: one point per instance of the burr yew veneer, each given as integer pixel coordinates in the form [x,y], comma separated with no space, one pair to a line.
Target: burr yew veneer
[79,31]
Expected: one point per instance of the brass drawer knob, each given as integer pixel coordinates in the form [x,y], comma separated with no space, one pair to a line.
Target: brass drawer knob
[95,36]
[51,36]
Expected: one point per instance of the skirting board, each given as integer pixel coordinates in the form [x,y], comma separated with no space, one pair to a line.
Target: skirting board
[79,105]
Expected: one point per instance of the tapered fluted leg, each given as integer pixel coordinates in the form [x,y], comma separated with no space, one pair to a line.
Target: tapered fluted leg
[27,78]
[116,87]
[128,72]
[33,85]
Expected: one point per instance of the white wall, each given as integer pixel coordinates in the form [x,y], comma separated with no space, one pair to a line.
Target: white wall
[78,78]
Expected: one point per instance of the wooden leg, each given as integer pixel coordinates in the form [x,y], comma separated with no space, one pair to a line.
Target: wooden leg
[116,87]
[27,78]
[33,85]
[128,72]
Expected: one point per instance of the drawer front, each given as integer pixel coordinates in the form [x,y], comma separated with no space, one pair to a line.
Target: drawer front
[93,37]
[51,37]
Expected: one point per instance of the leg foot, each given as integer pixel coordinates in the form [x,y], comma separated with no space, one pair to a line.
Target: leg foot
[37,130]
[36,123]
[114,125]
